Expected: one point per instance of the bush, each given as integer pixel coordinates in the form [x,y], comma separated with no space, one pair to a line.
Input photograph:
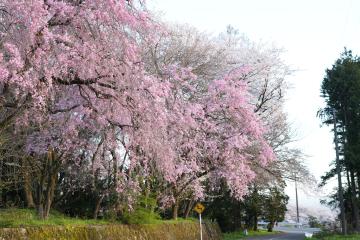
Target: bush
[141,216]
[323,234]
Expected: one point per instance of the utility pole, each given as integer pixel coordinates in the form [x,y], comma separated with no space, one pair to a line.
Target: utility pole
[338,171]
[297,204]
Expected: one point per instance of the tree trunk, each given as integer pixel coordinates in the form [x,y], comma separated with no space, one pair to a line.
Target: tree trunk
[255,222]
[176,209]
[348,178]
[39,197]
[97,207]
[50,193]
[354,203]
[358,181]
[28,191]
[40,211]
[115,169]
[248,221]
[46,186]
[240,217]
[349,216]
[270,226]
[188,208]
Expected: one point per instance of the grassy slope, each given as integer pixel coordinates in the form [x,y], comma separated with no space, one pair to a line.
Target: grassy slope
[240,234]
[61,227]
[28,217]
[339,237]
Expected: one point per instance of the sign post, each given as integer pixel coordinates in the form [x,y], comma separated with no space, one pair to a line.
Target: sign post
[200,226]
[199,208]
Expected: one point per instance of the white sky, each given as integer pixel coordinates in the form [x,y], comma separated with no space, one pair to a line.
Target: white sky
[313,33]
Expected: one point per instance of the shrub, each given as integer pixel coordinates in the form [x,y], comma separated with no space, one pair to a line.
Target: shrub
[141,215]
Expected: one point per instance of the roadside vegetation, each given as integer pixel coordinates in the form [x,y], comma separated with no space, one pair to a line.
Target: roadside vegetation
[336,237]
[26,217]
[12,217]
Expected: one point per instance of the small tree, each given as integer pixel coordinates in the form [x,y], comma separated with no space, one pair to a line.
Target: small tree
[313,222]
[275,207]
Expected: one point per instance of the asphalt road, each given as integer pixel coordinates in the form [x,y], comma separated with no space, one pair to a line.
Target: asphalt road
[287,233]
[281,236]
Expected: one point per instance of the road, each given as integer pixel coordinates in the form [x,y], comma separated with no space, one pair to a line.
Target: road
[288,233]
[281,236]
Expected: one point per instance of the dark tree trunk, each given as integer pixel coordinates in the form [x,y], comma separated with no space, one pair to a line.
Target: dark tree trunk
[97,207]
[28,191]
[255,219]
[46,185]
[40,211]
[45,198]
[176,209]
[354,203]
[50,193]
[349,206]
[188,208]
[39,197]
[270,226]
[240,217]
[358,181]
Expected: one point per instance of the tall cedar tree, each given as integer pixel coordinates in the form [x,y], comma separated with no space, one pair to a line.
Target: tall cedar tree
[341,91]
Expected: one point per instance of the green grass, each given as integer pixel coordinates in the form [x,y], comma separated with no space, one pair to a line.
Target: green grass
[240,234]
[338,237]
[185,220]
[27,217]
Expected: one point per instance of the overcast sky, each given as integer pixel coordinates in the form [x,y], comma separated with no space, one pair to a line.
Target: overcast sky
[313,33]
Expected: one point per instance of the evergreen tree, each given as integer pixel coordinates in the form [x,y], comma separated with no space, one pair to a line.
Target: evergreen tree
[341,91]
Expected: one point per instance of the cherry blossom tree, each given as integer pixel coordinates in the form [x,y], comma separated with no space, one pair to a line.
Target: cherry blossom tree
[97,113]
[222,106]
[77,64]
[210,58]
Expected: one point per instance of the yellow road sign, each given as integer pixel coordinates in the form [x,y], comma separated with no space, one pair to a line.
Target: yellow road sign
[199,208]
